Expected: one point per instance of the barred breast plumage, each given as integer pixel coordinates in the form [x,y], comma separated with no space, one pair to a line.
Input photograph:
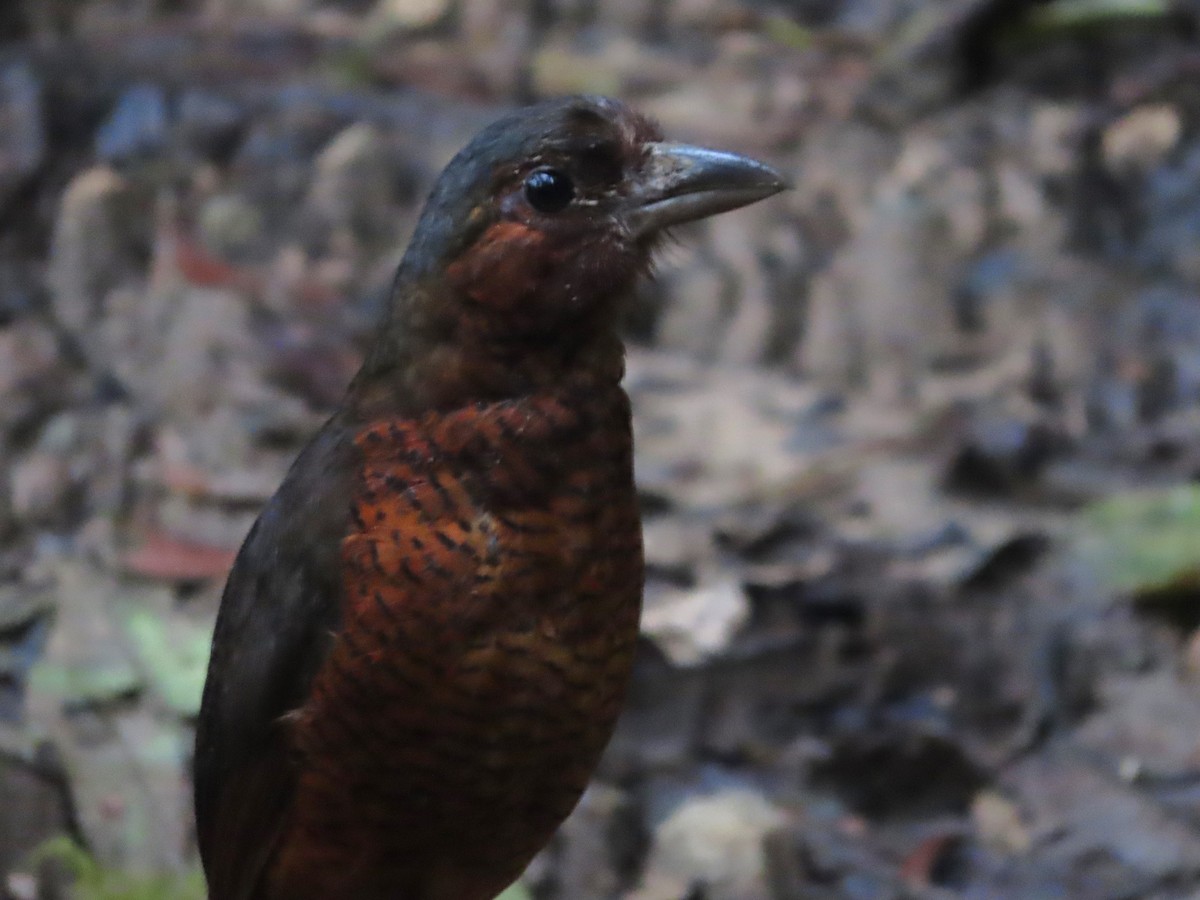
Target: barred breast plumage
[492,579]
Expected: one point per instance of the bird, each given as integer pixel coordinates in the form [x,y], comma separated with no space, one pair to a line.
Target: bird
[427,635]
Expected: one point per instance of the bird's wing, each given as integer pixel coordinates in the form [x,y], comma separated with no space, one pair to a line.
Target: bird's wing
[280,609]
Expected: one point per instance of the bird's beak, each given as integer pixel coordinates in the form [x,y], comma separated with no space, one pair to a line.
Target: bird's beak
[681,183]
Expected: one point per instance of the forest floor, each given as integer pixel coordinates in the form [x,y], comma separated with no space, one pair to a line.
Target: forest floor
[918,443]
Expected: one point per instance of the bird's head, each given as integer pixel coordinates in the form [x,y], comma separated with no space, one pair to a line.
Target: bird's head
[540,226]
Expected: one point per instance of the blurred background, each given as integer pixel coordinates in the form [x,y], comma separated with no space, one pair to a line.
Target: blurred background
[918,442]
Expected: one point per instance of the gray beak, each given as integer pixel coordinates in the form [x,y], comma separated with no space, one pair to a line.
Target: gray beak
[682,183]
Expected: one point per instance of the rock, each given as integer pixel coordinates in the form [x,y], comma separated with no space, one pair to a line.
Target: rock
[714,841]
[1142,138]
[692,626]
[998,823]
[94,246]
[137,126]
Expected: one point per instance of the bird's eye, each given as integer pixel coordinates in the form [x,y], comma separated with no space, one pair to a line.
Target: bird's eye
[549,190]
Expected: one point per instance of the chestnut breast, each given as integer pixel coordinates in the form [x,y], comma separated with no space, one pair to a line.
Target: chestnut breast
[492,582]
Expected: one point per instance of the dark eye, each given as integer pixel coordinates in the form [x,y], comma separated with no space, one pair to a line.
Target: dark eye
[548,190]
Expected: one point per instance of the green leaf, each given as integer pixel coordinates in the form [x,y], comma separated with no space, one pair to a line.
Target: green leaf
[1068,14]
[96,882]
[173,650]
[1144,541]
[517,891]
[85,683]
[789,33]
